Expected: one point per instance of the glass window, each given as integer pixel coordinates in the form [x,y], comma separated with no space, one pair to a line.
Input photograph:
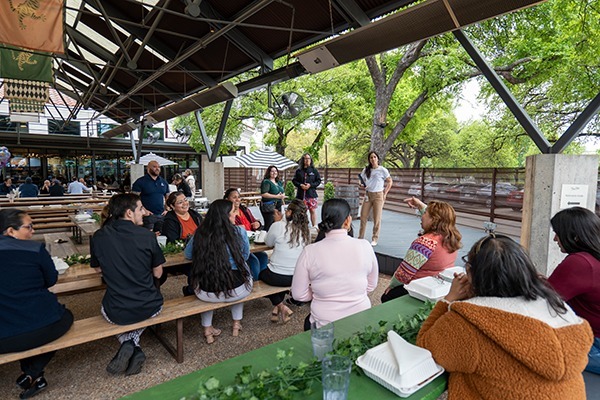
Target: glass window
[6,125]
[59,127]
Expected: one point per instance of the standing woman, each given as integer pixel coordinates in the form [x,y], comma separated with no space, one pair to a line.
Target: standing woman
[307,179]
[30,315]
[272,193]
[430,253]
[336,273]
[287,236]
[218,251]
[577,277]
[378,182]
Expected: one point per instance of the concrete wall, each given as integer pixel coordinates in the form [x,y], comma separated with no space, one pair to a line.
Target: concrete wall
[545,176]
[213,179]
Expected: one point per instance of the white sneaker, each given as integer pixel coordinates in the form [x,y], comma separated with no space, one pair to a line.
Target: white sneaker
[373,243]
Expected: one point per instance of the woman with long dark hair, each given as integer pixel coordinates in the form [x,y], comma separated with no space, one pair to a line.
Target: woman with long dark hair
[577,277]
[218,251]
[377,182]
[272,193]
[503,333]
[307,179]
[336,273]
[288,236]
[430,253]
[30,314]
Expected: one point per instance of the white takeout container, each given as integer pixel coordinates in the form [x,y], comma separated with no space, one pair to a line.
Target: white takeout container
[60,265]
[448,273]
[260,238]
[399,366]
[428,288]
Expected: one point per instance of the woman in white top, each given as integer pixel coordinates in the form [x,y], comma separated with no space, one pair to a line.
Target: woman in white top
[287,237]
[378,182]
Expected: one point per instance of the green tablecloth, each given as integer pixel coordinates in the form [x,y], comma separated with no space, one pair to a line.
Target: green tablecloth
[361,387]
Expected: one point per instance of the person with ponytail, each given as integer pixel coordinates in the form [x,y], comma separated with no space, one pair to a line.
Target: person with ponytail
[432,252]
[377,182]
[577,277]
[337,273]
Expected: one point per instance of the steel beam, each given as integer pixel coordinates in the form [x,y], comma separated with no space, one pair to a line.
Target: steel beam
[511,102]
[221,131]
[352,10]
[577,126]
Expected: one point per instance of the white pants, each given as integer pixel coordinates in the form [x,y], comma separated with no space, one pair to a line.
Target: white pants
[237,310]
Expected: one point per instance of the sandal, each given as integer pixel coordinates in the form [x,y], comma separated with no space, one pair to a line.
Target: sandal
[210,333]
[275,315]
[237,327]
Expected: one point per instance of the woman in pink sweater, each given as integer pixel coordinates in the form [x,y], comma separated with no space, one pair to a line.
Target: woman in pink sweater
[430,253]
[336,273]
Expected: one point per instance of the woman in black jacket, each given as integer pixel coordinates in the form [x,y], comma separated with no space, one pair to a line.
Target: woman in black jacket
[181,222]
[306,179]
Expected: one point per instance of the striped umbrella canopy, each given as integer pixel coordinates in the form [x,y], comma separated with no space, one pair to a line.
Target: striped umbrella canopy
[264,159]
[144,160]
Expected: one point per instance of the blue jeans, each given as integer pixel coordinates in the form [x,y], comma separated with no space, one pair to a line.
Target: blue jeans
[594,358]
[257,262]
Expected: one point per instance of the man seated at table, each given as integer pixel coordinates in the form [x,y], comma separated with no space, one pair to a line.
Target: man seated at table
[28,189]
[129,258]
[7,186]
[153,190]
[76,187]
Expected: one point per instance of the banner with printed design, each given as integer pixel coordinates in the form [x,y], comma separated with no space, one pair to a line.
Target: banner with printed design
[33,24]
[16,63]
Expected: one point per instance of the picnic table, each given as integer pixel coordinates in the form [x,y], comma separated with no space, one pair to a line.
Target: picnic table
[83,228]
[361,387]
[81,277]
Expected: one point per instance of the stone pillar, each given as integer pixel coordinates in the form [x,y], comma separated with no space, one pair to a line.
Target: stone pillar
[545,176]
[213,179]
[136,171]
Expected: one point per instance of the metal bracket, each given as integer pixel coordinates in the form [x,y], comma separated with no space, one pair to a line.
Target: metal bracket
[213,151]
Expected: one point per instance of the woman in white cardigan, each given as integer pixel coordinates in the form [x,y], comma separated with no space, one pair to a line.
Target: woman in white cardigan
[287,236]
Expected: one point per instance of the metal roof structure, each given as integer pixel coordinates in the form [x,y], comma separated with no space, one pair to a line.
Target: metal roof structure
[129,58]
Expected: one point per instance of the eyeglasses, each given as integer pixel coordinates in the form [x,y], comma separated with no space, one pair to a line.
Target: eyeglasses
[29,227]
[180,202]
[465,259]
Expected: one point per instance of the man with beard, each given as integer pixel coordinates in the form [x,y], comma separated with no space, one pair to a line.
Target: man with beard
[153,190]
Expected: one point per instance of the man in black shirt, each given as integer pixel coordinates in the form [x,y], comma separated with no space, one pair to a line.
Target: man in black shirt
[129,258]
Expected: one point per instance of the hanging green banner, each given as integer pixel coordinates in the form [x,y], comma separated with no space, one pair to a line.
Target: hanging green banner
[22,64]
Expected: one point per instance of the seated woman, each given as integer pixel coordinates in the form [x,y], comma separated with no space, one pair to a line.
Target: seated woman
[45,189]
[336,273]
[503,333]
[181,222]
[31,315]
[287,237]
[243,217]
[218,251]
[577,277]
[430,253]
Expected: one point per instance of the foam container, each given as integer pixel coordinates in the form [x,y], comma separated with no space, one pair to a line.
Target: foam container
[428,288]
[448,273]
[399,366]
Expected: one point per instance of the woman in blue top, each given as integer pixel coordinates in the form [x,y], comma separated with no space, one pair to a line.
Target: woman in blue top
[219,273]
[30,315]
[272,193]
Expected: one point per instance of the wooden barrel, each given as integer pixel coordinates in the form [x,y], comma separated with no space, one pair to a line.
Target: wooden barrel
[351,195]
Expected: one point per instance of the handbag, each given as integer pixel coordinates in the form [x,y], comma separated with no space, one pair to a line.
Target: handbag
[267,207]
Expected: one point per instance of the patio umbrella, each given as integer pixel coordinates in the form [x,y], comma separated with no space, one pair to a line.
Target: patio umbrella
[144,160]
[264,159]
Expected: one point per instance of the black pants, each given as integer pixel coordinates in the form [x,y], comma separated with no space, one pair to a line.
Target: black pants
[274,279]
[34,366]
[394,293]
[269,217]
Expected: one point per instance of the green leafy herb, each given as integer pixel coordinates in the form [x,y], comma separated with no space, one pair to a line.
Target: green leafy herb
[77,259]
[287,382]
[96,217]
[173,248]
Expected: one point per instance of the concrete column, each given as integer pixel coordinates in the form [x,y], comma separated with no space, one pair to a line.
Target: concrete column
[213,178]
[545,176]
[136,171]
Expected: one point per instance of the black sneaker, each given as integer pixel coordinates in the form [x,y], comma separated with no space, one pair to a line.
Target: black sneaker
[24,381]
[136,362]
[120,361]
[37,386]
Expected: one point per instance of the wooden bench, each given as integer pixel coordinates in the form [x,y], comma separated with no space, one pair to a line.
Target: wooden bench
[96,328]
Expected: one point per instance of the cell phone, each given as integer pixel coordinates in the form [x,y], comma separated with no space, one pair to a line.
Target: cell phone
[362,182]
